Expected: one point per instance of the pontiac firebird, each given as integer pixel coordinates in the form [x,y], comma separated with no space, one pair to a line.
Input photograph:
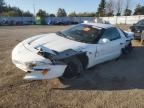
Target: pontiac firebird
[67,53]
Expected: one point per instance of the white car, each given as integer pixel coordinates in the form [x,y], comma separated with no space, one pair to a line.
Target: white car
[67,53]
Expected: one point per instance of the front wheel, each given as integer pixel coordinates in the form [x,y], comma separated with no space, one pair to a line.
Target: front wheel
[73,69]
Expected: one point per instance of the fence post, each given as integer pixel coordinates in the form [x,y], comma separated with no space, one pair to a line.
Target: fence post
[116,20]
[125,19]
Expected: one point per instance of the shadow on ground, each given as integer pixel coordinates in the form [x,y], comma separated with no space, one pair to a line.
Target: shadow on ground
[125,74]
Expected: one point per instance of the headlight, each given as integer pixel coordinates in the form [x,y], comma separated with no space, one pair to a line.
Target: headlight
[30,65]
[33,64]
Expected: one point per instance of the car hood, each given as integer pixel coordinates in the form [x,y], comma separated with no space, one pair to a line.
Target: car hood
[49,42]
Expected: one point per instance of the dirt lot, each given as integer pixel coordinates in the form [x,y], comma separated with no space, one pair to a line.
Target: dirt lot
[115,84]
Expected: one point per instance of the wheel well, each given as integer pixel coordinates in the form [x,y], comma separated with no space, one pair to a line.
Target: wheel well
[83,59]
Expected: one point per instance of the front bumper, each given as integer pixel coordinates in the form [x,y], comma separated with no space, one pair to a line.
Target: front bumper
[52,71]
[34,65]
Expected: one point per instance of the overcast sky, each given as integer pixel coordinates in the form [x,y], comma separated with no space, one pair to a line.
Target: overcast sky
[51,6]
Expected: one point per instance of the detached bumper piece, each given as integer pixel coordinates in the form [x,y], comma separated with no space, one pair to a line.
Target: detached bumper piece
[49,72]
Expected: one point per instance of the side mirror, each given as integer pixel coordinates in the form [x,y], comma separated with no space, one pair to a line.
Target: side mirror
[104,41]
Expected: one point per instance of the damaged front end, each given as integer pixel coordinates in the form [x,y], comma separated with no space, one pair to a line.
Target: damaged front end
[37,67]
[39,63]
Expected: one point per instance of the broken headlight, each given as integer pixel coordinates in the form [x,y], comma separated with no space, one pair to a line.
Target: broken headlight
[47,55]
[30,65]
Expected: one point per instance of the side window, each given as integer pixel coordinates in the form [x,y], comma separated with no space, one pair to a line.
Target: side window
[111,34]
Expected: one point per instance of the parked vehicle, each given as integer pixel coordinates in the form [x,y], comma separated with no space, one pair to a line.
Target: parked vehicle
[137,29]
[61,22]
[68,52]
[28,23]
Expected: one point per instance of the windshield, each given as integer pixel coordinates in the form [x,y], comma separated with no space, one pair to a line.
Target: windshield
[141,22]
[82,33]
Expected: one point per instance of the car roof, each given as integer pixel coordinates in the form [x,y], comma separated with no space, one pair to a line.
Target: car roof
[100,25]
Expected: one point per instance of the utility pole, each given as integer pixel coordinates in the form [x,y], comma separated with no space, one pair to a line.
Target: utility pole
[34,12]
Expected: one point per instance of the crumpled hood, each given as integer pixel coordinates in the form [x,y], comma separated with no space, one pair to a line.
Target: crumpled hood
[53,42]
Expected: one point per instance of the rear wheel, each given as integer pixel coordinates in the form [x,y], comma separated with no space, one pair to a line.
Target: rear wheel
[73,69]
[128,49]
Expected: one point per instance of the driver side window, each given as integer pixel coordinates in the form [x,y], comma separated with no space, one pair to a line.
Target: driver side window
[111,34]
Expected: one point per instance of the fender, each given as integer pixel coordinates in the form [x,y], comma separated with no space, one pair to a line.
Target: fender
[66,55]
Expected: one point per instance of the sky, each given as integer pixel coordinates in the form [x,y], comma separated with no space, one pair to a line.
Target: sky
[51,6]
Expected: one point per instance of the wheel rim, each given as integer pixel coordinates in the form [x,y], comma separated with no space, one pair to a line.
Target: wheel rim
[71,71]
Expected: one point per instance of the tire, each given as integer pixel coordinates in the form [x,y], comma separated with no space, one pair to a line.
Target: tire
[73,69]
[128,49]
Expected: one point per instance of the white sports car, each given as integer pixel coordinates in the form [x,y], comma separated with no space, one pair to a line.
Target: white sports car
[66,53]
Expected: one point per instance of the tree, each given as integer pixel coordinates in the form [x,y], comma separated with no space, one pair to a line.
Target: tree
[73,14]
[61,13]
[139,10]
[2,4]
[27,14]
[7,10]
[10,13]
[128,3]
[127,12]
[83,14]
[110,8]
[41,13]
[101,8]
[52,15]
[119,7]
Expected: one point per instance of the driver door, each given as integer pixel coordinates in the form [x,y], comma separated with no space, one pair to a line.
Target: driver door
[111,49]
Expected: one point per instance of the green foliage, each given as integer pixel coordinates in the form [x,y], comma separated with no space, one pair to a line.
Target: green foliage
[101,8]
[139,10]
[12,11]
[73,14]
[127,12]
[118,14]
[84,14]
[28,14]
[61,13]
[41,13]
[2,4]
[52,15]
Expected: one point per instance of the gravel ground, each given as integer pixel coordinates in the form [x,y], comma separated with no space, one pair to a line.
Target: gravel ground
[114,84]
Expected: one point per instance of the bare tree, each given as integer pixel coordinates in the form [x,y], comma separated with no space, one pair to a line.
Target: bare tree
[127,4]
[118,7]
[110,7]
[127,10]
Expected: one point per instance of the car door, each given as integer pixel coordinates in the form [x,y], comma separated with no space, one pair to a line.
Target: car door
[111,49]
